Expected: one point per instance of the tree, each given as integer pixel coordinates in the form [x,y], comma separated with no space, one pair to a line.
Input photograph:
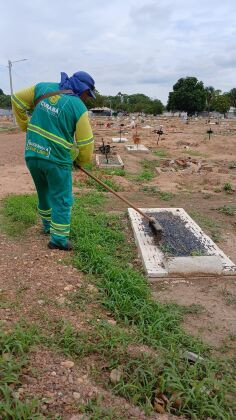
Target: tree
[5,100]
[232,95]
[93,103]
[210,95]
[155,107]
[221,103]
[137,102]
[188,95]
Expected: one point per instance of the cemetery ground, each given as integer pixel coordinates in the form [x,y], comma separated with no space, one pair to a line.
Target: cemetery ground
[87,335]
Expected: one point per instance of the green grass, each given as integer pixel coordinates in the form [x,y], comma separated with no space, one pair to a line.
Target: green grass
[217,189]
[114,171]
[196,253]
[96,412]
[161,153]
[194,153]
[149,164]
[145,175]
[101,250]
[18,213]
[229,210]
[109,182]
[103,340]
[142,375]
[228,187]
[105,176]
[79,298]
[229,297]
[209,224]
[163,195]
[14,346]
[148,172]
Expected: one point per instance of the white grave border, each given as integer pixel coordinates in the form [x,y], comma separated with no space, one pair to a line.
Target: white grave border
[119,164]
[158,265]
[137,148]
[119,139]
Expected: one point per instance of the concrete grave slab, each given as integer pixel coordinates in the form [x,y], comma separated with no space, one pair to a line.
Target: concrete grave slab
[114,161]
[137,148]
[119,140]
[189,253]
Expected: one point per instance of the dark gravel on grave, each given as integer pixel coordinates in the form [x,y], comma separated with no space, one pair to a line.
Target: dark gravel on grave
[177,239]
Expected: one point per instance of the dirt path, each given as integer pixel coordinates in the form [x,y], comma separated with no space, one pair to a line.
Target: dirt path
[214,308]
[14,175]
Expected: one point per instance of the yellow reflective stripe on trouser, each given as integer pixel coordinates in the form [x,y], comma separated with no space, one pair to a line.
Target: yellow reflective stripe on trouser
[55,232]
[50,136]
[59,226]
[46,218]
[19,103]
[44,212]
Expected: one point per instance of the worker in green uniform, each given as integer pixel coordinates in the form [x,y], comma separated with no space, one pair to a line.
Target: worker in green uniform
[57,133]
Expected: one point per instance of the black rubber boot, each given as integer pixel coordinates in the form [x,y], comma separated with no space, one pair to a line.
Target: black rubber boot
[68,246]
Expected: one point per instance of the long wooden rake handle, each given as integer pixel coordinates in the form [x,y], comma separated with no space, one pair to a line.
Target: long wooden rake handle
[149,219]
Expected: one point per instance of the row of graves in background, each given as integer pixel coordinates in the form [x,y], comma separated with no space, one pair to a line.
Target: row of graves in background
[107,156]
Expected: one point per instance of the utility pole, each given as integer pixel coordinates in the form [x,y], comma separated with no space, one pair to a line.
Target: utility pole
[110,109]
[10,77]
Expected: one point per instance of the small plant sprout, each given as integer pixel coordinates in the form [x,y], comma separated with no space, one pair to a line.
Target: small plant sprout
[196,253]
[228,187]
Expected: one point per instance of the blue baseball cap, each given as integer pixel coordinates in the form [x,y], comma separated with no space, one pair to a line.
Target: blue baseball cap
[86,80]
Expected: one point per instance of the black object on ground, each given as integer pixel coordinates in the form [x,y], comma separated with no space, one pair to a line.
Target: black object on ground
[105,149]
[177,239]
[209,132]
[159,132]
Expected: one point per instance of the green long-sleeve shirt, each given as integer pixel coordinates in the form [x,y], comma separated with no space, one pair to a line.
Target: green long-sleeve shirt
[59,128]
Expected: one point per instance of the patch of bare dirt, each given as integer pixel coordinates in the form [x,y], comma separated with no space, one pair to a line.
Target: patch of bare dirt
[63,389]
[14,175]
[216,322]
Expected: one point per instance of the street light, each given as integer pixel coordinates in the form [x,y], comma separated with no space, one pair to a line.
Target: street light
[10,76]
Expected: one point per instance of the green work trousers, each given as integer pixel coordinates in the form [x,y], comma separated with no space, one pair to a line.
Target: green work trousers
[54,187]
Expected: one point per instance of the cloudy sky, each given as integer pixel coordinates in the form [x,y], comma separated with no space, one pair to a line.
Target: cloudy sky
[127,45]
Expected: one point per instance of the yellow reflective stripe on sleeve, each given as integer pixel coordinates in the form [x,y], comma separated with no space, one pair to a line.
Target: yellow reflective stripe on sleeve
[85,142]
[50,136]
[19,103]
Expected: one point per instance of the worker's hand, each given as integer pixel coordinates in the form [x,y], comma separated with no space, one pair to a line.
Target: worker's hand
[76,165]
